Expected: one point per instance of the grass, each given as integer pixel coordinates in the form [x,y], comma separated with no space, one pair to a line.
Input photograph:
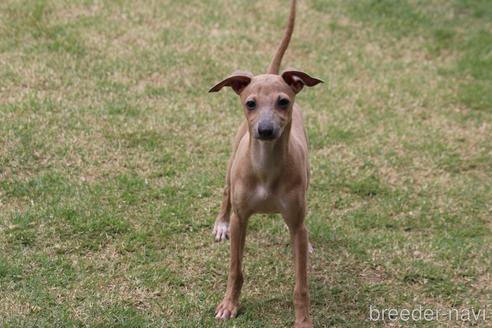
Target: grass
[113,155]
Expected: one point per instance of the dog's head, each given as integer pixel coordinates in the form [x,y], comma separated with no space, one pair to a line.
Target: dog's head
[267,99]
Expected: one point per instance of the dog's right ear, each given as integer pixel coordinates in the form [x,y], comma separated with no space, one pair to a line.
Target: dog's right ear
[237,81]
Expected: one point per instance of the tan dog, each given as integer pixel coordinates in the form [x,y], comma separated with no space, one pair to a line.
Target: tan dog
[268,171]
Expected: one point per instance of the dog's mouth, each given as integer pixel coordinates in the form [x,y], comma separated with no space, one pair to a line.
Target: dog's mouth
[266,138]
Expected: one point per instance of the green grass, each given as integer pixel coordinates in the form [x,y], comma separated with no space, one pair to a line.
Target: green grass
[113,156]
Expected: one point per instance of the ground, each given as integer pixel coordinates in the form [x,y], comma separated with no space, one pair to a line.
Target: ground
[113,156]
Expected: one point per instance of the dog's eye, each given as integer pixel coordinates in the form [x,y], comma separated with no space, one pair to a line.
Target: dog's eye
[283,103]
[251,104]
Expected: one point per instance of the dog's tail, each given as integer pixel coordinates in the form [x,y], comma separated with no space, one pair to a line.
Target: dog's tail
[282,47]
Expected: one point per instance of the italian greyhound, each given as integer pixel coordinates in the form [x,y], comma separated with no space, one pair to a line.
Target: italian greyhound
[268,171]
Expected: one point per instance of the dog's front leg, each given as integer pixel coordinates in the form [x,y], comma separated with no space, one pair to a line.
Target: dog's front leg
[300,244]
[230,304]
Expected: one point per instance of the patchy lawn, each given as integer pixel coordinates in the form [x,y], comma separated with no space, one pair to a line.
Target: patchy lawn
[113,156]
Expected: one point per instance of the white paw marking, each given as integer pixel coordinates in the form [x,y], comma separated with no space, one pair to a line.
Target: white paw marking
[310,248]
[221,231]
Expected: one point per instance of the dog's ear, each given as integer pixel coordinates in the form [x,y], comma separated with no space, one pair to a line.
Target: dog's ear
[237,81]
[298,79]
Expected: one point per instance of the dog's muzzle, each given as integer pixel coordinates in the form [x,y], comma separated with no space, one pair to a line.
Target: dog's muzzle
[266,131]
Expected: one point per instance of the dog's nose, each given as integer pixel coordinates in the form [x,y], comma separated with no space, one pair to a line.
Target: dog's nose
[265,130]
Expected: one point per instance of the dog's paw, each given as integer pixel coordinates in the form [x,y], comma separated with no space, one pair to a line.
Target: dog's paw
[226,310]
[305,323]
[221,231]
[310,248]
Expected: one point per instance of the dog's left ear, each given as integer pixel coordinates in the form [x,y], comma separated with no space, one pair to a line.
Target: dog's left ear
[298,79]
[237,81]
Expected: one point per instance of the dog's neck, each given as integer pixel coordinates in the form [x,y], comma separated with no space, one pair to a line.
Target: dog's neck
[268,157]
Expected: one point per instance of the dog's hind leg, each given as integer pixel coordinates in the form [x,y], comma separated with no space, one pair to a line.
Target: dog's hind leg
[221,226]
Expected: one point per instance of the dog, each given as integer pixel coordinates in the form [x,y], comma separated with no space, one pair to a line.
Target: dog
[268,171]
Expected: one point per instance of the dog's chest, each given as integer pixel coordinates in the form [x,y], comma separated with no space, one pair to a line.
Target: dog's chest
[265,199]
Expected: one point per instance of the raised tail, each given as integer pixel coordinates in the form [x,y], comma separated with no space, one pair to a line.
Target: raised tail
[282,47]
